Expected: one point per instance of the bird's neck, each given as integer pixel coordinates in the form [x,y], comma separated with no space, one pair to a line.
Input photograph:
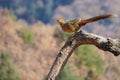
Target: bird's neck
[62,23]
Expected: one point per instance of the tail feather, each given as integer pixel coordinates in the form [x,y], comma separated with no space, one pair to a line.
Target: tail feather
[93,19]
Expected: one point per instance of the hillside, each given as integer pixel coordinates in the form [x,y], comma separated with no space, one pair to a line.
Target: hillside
[47,11]
[33,60]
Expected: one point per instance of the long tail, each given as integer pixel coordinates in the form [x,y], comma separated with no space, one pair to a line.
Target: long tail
[93,19]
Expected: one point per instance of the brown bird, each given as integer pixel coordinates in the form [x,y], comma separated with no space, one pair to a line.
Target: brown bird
[76,24]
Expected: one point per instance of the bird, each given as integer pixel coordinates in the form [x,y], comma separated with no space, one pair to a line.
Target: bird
[75,24]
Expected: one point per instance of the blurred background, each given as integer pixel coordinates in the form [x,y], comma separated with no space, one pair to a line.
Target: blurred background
[30,39]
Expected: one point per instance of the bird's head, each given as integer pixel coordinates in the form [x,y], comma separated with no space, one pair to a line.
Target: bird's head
[60,21]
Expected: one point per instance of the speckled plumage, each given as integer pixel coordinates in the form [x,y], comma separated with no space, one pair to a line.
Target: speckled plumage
[75,24]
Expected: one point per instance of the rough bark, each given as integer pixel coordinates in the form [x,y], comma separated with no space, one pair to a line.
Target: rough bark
[77,39]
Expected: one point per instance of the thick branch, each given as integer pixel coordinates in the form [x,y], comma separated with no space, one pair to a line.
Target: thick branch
[79,38]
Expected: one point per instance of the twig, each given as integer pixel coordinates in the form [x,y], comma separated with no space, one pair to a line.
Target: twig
[77,39]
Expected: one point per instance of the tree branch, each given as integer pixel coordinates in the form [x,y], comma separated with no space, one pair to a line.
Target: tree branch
[77,39]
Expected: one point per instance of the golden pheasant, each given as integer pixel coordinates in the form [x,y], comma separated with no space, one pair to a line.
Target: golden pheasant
[76,24]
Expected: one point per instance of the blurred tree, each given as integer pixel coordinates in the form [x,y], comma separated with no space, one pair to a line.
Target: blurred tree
[66,2]
[69,73]
[33,10]
[89,57]
[5,3]
[27,35]
[7,70]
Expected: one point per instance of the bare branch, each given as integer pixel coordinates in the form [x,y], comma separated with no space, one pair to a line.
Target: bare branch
[77,39]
